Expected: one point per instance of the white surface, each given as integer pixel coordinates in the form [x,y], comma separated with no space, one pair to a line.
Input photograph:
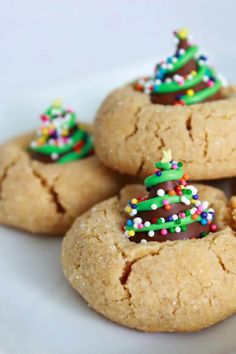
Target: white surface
[45,42]
[61,49]
[39,312]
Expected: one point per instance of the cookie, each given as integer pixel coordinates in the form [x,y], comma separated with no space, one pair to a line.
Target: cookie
[44,196]
[174,286]
[134,123]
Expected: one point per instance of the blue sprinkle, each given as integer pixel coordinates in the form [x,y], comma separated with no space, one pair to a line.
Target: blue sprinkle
[203,57]
[129,222]
[179,96]
[204,214]
[170,218]
[134,206]
[203,221]
[158,173]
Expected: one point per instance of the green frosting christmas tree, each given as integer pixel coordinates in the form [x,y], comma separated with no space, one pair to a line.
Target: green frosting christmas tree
[171,211]
[185,78]
[60,138]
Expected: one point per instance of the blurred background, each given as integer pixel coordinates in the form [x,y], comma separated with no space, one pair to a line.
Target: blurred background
[48,43]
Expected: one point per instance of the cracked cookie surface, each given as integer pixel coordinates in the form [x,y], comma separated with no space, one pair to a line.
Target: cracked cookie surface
[46,198]
[131,132]
[170,286]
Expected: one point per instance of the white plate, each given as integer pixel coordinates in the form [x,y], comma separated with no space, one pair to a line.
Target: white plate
[39,312]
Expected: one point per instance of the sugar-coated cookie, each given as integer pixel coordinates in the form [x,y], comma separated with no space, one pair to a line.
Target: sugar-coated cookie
[170,286]
[46,184]
[183,106]
[174,286]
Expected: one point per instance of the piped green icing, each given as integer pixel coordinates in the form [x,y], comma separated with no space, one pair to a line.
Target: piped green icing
[166,175]
[158,201]
[60,138]
[166,225]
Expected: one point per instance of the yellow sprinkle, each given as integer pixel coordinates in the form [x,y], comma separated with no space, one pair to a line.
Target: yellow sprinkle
[193,73]
[57,103]
[134,201]
[190,92]
[44,131]
[193,201]
[65,132]
[181,187]
[128,209]
[131,233]
[183,33]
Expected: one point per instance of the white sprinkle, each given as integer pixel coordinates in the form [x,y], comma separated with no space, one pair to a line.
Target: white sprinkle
[137,220]
[193,211]
[164,66]
[147,91]
[170,66]
[153,206]
[162,220]
[151,233]
[133,212]
[174,60]
[147,223]
[175,217]
[205,78]
[143,241]
[168,80]
[157,82]
[51,141]
[182,51]
[33,144]
[177,229]
[185,200]
[160,192]
[136,225]
[54,156]
[198,203]
[205,204]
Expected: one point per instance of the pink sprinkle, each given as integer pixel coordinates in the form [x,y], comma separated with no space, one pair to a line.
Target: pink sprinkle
[213,227]
[200,208]
[163,232]
[140,226]
[182,215]
[165,202]
[44,117]
[210,83]
[174,166]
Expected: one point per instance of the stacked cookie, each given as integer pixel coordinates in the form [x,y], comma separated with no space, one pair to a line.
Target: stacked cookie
[158,257]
